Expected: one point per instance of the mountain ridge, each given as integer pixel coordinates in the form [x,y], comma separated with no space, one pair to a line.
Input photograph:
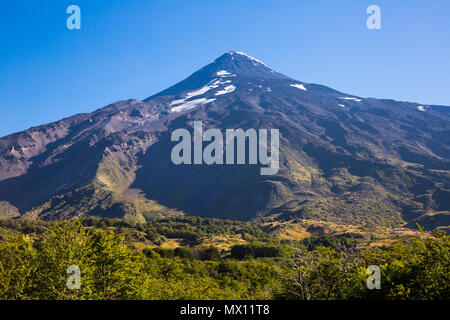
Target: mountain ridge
[361,159]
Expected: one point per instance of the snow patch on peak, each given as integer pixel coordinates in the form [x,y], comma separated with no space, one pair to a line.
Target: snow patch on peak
[226,90]
[223,73]
[198,92]
[174,102]
[215,83]
[421,108]
[186,103]
[191,104]
[350,98]
[299,86]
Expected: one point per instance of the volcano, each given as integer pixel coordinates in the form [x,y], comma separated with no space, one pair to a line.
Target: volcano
[343,158]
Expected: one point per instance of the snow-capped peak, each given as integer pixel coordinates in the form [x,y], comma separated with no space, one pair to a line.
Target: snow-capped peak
[247,56]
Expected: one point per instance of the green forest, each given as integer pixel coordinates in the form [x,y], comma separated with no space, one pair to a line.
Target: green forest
[118,260]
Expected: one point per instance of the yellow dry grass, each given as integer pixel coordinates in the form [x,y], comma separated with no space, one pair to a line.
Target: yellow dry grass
[222,242]
[298,230]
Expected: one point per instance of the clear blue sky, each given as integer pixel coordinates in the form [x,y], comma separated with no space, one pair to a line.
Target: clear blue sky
[135,48]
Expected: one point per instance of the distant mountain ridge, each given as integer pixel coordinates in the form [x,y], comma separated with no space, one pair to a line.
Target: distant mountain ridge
[343,158]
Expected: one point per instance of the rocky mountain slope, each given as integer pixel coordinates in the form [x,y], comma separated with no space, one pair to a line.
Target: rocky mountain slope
[343,158]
